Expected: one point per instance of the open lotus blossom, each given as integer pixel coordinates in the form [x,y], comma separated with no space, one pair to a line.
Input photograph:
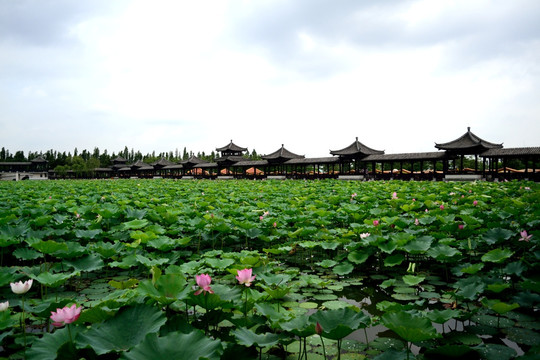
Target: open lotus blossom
[364,235]
[4,306]
[524,236]
[244,277]
[394,195]
[416,222]
[204,281]
[65,315]
[21,287]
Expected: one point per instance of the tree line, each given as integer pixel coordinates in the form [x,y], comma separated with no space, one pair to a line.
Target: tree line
[89,160]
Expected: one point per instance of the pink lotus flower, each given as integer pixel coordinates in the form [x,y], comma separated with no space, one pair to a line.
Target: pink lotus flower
[203,281]
[21,287]
[475,203]
[427,210]
[441,207]
[416,222]
[275,224]
[376,222]
[244,277]
[364,235]
[394,195]
[461,226]
[66,315]
[524,236]
[261,217]
[4,306]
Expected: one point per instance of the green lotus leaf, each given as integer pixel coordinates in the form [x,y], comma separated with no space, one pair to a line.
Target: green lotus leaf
[123,331]
[523,336]
[220,264]
[27,254]
[471,291]
[299,326]
[248,338]
[497,287]
[419,245]
[442,251]
[87,234]
[162,243]
[209,301]
[498,306]
[412,280]
[330,245]
[49,247]
[497,235]
[343,268]
[335,304]
[194,345]
[272,312]
[358,256]
[150,262]
[6,321]
[278,292]
[412,328]
[88,263]
[495,352]
[167,289]
[442,316]
[497,255]
[515,268]
[450,351]
[394,260]
[48,346]
[123,284]
[472,269]
[308,305]
[52,280]
[135,224]
[274,279]
[337,324]
[387,247]
[327,263]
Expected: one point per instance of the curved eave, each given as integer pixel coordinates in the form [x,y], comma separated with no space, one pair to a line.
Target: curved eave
[356,149]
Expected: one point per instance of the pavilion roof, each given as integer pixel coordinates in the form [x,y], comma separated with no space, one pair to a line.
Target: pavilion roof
[119,159]
[432,155]
[162,162]
[356,148]
[282,154]
[250,163]
[468,141]
[38,159]
[524,151]
[231,159]
[231,147]
[140,164]
[320,160]
[193,160]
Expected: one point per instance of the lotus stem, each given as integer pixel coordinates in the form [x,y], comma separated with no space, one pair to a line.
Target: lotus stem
[323,348]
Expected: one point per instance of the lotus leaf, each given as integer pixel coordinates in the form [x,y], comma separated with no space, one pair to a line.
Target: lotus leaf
[412,328]
[337,324]
[123,331]
[249,338]
[194,346]
[47,348]
[343,268]
[497,255]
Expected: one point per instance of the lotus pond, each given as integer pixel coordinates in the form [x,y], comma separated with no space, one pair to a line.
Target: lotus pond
[153,269]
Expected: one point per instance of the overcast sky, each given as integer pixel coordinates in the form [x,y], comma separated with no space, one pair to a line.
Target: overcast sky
[310,74]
